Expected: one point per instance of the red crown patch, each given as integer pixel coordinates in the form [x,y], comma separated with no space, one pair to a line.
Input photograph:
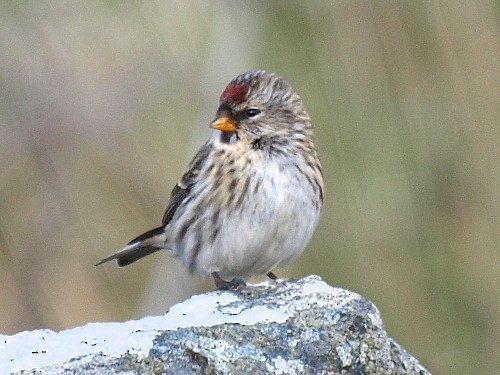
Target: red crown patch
[235,93]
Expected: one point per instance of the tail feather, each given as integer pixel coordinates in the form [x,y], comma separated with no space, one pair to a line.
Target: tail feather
[147,243]
[150,234]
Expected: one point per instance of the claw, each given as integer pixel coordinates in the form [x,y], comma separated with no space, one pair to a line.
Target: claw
[272,276]
[221,284]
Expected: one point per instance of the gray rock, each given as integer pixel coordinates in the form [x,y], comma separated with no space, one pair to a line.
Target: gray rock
[285,327]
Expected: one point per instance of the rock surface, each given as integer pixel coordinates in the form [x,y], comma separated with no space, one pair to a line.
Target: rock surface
[285,327]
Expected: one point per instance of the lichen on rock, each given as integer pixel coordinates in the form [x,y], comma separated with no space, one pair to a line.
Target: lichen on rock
[299,326]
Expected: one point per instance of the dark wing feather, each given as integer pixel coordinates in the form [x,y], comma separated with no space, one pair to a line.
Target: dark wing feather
[177,196]
[183,187]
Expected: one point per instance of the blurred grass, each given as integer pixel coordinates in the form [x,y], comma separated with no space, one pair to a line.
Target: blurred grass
[102,104]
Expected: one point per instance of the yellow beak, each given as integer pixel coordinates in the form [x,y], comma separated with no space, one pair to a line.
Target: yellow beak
[225,124]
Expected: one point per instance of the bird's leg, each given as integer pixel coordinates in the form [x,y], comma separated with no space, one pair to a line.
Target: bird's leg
[272,276]
[234,284]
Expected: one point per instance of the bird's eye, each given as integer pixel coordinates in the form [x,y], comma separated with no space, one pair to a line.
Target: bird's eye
[252,112]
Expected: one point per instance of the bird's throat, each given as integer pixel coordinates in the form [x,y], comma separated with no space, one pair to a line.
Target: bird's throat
[228,137]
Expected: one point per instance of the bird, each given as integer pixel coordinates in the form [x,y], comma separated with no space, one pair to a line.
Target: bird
[252,196]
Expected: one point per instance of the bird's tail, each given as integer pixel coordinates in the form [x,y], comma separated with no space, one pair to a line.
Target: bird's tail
[147,243]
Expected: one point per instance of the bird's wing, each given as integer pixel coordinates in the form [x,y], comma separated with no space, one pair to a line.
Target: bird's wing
[154,240]
[182,189]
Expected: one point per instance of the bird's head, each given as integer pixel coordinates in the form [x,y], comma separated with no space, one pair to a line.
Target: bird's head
[260,104]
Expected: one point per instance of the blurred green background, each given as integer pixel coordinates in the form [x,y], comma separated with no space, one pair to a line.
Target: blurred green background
[102,105]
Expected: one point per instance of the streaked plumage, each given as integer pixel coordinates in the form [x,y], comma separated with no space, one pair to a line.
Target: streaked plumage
[252,195]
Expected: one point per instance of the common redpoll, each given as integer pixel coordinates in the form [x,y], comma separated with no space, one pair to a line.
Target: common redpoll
[252,196]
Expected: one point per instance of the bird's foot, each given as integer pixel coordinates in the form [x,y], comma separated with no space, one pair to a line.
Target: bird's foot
[221,284]
[272,276]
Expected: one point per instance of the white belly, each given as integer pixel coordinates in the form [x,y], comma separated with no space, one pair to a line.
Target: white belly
[268,229]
